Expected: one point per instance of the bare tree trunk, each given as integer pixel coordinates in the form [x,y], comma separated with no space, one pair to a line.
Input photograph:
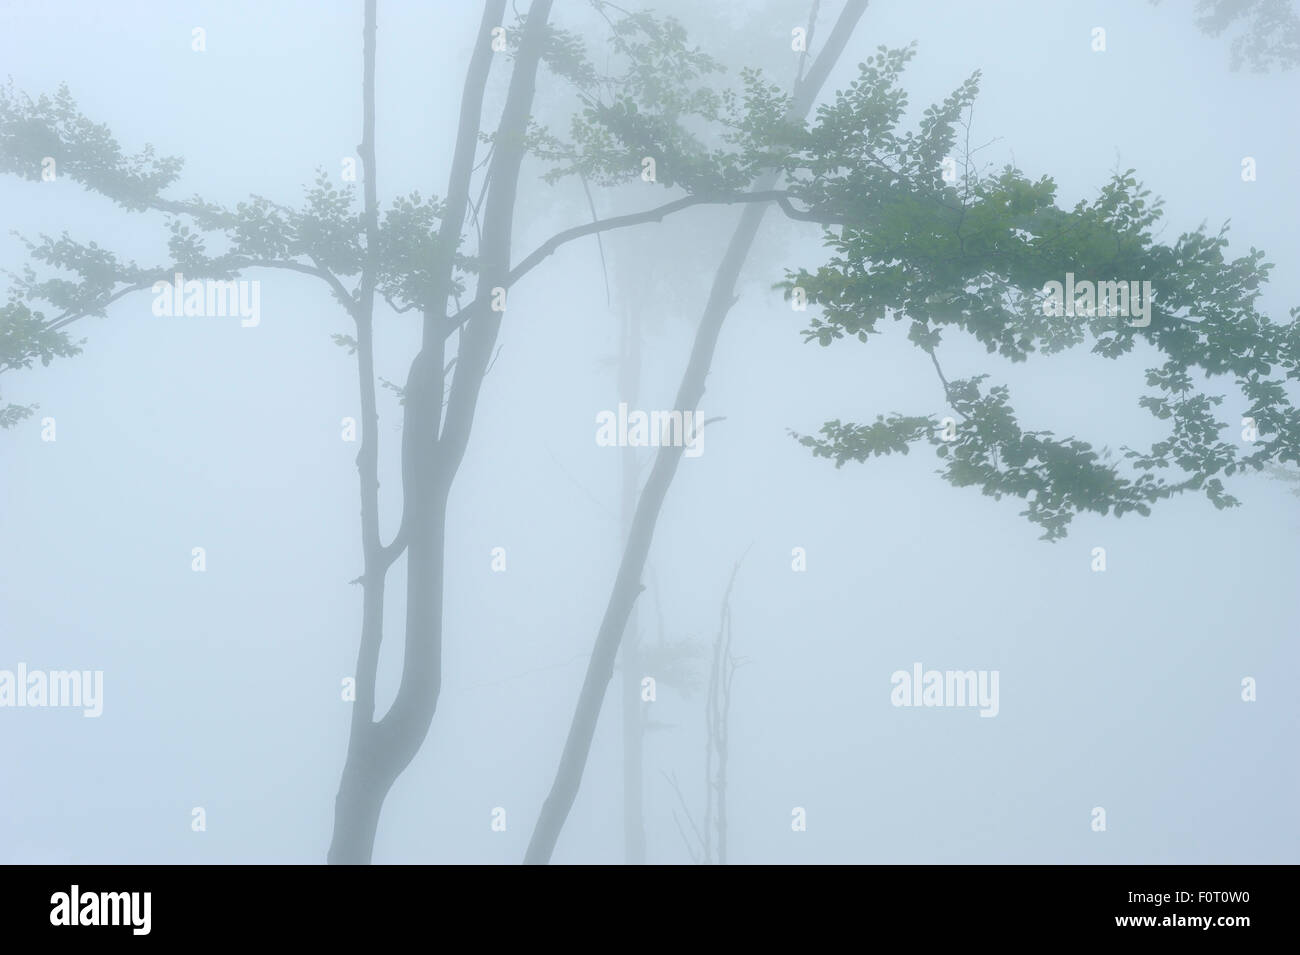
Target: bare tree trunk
[627,584]
[378,752]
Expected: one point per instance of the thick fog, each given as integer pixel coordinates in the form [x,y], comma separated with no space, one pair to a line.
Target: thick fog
[1155,689]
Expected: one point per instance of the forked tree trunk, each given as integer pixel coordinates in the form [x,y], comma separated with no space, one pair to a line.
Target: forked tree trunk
[432,447]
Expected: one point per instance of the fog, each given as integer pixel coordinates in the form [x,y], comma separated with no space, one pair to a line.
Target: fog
[224,690]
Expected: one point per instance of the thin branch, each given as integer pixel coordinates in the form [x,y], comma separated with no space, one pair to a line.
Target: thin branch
[717,709]
[682,832]
[393,305]
[462,164]
[600,245]
[376,570]
[68,317]
[672,781]
[656,214]
[947,389]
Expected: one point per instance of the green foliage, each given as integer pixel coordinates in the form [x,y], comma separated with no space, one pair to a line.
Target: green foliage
[971,256]
[396,389]
[407,250]
[967,254]
[1271,34]
[25,337]
[667,101]
[324,236]
[84,151]
[859,442]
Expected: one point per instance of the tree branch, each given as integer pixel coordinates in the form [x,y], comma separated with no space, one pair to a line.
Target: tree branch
[657,214]
[67,318]
[947,389]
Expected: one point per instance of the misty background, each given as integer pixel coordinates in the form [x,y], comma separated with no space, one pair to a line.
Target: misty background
[222,689]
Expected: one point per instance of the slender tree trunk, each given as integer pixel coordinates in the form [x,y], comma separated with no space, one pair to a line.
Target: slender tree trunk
[359,800]
[378,752]
[356,807]
[627,584]
[432,447]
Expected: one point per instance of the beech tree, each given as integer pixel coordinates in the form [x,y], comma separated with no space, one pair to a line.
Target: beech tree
[922,236]
[917,234]
[1265,33]
[411,254]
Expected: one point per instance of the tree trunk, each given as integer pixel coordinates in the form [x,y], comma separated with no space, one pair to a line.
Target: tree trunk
[432,447]
[627,584]
[360,797]
[379,752]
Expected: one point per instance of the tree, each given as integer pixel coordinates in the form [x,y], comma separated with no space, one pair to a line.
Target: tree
[965,253]
[709,846]
[920,238]
[763,146]
[978,257]
[412,255]
[1270,37]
